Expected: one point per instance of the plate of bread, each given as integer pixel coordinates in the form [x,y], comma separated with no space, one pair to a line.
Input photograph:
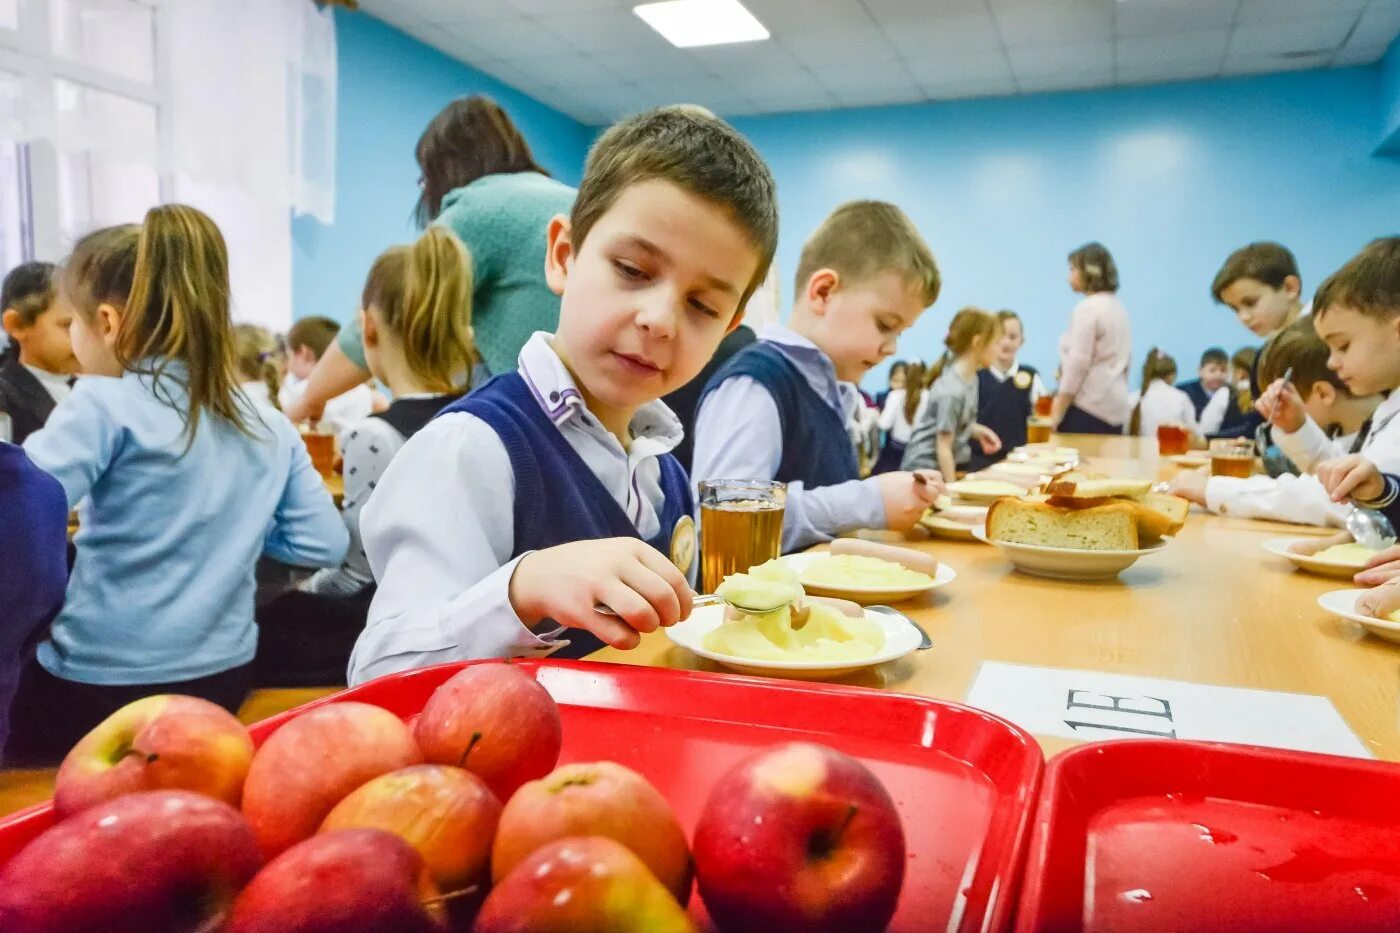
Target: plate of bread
[985,491]
[1084,526]
[868,572]
[953,522]
[1343,561]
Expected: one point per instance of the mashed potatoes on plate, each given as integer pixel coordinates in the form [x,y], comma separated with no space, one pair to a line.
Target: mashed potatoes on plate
[820,633]
[1353,554]
[851,571]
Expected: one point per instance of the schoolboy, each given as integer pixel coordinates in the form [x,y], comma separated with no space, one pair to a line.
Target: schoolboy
[307,341]
[37,367]
[780,409]
[551,491]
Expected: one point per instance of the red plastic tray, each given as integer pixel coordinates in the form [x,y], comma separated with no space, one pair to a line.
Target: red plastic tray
[964,781]
[1154,836]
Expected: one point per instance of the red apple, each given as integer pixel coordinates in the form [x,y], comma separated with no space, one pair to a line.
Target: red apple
[447,814]
[494,720]
[582,883]
[148,862]
[306,767]
[800,837]
[598,799]
[165,742]
[348,881]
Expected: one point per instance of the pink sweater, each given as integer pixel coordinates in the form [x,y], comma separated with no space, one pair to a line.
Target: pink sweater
[1094,357]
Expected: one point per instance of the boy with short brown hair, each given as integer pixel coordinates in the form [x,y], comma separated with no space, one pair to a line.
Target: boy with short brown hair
[781,408]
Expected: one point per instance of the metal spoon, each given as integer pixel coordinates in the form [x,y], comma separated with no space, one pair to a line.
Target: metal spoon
[924,641]
[708,600]
[1371,529]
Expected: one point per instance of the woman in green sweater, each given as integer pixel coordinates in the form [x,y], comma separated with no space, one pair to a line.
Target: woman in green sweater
[480,179]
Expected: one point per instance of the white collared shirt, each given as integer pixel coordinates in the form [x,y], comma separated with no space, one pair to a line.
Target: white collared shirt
[1310,445]
[439,531]
[57,385]
[1037,386]
[1161,404]
[738,435]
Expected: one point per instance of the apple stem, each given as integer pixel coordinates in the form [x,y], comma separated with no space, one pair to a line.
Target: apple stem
[462,762]
[451,895]
[850,815]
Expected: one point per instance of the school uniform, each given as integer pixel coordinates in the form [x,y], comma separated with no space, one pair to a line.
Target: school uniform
[28,395]
[519,465]
[952,409]
[161,594]
[776,411]
[305,636]
[898,427]
[1005,402]
[685,401]
[1163,404]
[1388,502]
[33,566]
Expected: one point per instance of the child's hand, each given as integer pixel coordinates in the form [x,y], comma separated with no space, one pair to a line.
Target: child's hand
[303,411]
[628,576]
[1191,486]
[1380,602]
[1282,406]
[908,498]
[1351,477]
[1382,568]
[987,438]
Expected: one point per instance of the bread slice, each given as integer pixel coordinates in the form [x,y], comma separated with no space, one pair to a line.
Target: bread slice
[1160,515]
[1111,527]
[1069,486]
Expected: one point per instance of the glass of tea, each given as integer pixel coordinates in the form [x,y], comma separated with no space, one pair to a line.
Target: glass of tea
[1045,406]
[1232,456]
[1038,430]
[321,447]
[741,525]
[1173,440]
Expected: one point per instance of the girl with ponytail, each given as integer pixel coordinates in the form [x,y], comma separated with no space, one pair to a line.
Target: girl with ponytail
[415,314]
[1160,401]
[185,480]
[943,436]
[255,358]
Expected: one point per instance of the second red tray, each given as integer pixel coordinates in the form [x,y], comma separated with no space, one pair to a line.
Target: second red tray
[964,781]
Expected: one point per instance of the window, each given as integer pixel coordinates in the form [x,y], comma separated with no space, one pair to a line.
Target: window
[82,121]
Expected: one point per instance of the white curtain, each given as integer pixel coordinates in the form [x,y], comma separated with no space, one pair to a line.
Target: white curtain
[231,108]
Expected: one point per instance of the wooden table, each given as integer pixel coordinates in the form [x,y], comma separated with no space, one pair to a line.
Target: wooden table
[1211,608]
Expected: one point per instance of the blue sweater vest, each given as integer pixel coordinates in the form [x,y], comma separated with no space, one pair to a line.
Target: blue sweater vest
[1004,408]
[816,448]
[557,498]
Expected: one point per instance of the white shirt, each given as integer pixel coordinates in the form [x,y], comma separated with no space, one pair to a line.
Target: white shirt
[439,530]
[340,412]
[58,385]
[892,418]
[1164,404]
[738,435]
[1300,500]
[1213,415]
[1310,445]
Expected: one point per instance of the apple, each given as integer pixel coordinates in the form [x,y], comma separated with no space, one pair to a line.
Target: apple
[146,862]
[347,881]
[494,720]
[799,837]
[447,814]
[598,799]
[581,883]
[306,767]
[164,742]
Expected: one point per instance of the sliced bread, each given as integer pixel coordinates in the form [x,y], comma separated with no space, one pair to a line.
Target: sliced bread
[1076,487]
[1160,515]
[1111,527]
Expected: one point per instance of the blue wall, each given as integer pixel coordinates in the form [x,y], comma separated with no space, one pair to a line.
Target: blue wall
[391,85]
[1171,178]
[1390,101]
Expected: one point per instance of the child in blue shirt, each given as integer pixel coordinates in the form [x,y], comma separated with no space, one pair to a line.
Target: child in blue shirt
[33,565]
[185,482]
[502,524]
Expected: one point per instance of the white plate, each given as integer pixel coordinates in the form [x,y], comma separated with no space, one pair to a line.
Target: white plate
[1325,568]
[1190,460]
[900,639]
[940,525]
[961,491]
[867,595]
[1064,563]
[1343,603]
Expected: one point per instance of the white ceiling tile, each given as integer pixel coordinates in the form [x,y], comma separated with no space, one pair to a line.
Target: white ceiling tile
[1165,71]
[871,77]
[990,87]
[921,11]
[551,8]
[1380,22]
[879,97]
[814,99]
[1168,17]
[1261,64]
[510,38]
[761,57]
[1184,49]
[1030,22]
[784,16]
[972,32]
[954,69]
[1035,61]
[795,81]
[1254,12]
[604,31]
[1098,77]
[670,64]
[1360,54]
[564,70]
[1283,36]
[444,10]
[845,46]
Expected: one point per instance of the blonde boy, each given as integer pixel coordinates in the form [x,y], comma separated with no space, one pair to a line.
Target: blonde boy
[780,409]
[547,492]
